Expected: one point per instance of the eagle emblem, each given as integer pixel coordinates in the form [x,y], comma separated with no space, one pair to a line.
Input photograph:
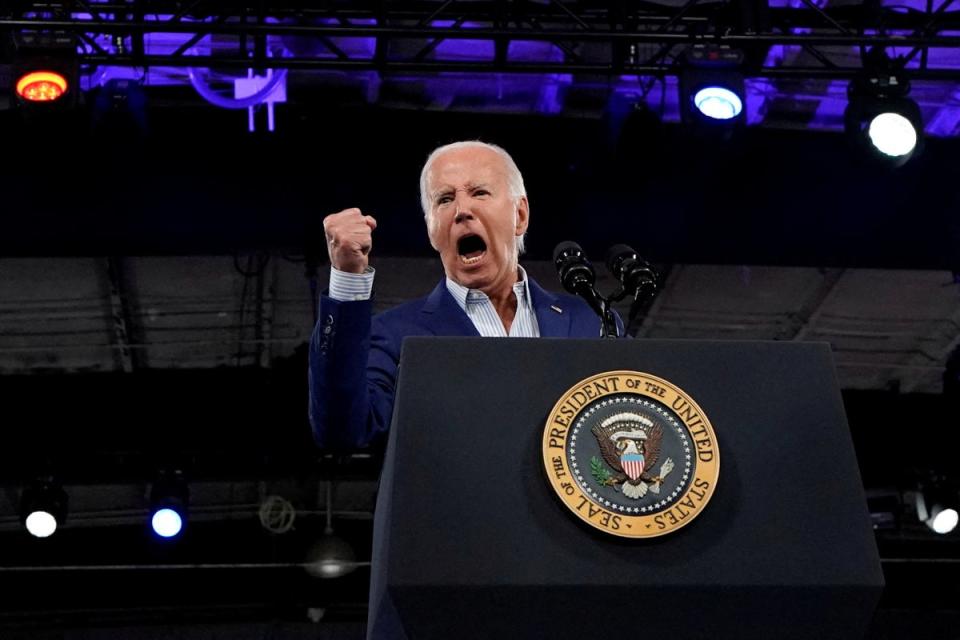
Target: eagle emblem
[610,445]
[630,445]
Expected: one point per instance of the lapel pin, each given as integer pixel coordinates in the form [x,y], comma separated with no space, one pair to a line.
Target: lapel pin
[556,308]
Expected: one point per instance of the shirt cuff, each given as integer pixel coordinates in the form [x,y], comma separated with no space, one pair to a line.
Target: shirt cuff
[346,286]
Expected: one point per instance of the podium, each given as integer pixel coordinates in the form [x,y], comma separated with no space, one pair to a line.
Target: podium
[471,541]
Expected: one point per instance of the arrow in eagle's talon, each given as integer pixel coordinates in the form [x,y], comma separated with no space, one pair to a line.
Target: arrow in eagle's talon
[665,469]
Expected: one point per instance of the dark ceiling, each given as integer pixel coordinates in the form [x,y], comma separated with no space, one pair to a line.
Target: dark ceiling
[199,184]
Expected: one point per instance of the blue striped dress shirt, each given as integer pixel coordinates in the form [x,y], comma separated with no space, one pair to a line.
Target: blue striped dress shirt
[475,303]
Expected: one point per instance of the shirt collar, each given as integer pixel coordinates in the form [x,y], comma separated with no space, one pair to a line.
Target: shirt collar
[465,296]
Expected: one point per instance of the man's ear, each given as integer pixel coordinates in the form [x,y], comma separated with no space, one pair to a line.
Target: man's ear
[523,215]
[427,220]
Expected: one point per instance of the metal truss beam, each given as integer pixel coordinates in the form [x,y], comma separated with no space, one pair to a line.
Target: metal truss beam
[588,39]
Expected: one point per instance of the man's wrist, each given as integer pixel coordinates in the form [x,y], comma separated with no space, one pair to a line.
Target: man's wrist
[345,286]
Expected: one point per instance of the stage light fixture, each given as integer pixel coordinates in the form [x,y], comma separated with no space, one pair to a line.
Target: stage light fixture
[41,86]
[331,556]
[43,507]
[718,103]
[892,134]
[880,118]
[45,70]
[937,508]
[169,498]
[119,110]
[942,519]
[712,90]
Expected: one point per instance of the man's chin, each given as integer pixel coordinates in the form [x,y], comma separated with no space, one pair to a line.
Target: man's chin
[470,280]
[483,276]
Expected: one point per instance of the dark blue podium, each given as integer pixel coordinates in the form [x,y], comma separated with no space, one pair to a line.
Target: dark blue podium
[470,541]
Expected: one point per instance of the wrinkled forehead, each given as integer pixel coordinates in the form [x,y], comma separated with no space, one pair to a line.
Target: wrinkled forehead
[468,166]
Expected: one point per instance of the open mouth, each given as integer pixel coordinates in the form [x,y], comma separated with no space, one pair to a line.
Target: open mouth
[471,249]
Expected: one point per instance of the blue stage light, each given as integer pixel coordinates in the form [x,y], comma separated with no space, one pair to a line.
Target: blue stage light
[166,523]
[719,103]
[712,92]
[168,504]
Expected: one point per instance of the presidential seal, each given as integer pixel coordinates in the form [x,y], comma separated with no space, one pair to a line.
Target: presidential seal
[631,454]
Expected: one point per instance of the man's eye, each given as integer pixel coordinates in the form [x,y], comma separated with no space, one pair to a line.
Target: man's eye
[444,199]
[481,192]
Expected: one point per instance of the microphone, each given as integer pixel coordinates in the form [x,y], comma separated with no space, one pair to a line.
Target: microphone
[577,275]
[633,272]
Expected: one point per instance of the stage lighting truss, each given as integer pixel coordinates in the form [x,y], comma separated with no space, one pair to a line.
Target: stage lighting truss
[580,40]
[406,36]
[880,118]
[43,507]
[169,499]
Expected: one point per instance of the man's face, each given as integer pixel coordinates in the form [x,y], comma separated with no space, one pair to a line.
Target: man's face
[475,221]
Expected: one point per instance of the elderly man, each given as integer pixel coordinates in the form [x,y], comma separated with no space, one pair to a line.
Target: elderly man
[476,211]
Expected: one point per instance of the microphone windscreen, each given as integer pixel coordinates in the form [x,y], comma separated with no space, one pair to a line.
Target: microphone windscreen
[567,246]
[617,255]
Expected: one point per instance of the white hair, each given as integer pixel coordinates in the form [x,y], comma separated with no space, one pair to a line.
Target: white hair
[514,177]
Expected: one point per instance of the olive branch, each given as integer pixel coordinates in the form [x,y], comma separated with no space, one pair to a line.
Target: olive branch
[599,471]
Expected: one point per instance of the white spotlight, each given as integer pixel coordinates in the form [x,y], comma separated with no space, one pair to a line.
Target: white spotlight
[942,520]
[939,518]
[893,134]
[43,507]
[41,524]
[166,523]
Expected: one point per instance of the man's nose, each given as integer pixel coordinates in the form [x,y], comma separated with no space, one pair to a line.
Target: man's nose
[462,210]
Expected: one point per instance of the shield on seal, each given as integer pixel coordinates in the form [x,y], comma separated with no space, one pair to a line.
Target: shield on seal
[632,464]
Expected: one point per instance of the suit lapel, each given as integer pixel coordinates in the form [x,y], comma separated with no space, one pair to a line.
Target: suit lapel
[553,316]
[444,315]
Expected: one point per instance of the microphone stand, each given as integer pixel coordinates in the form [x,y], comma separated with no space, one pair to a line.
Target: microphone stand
[601,305]
[578,277]
[643,293]
[608,320]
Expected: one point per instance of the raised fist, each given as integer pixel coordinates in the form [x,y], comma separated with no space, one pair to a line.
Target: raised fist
[349,239]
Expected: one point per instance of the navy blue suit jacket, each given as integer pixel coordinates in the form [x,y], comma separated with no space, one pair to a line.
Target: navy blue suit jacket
[354,358]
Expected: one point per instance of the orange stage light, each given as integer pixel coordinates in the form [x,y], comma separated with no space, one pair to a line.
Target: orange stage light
[41,86]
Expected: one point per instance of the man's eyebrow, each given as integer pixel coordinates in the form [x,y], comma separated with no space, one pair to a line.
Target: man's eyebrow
[470,186]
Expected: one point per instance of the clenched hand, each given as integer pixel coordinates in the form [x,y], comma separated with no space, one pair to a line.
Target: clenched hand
[349,239]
